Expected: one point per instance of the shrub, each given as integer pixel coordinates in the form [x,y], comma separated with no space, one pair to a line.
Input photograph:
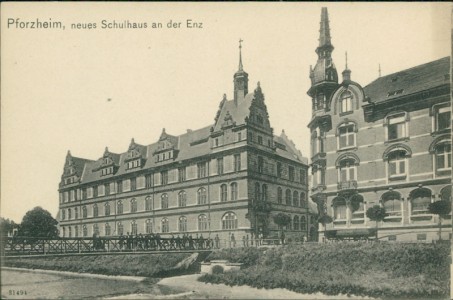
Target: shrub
[389,270]
[217,269]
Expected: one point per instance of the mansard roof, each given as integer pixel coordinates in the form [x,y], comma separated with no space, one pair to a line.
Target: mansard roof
[410,81]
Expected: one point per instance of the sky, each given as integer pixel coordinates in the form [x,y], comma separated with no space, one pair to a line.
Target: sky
[56,83]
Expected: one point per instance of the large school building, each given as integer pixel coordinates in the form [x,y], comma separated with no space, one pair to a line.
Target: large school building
[232,176]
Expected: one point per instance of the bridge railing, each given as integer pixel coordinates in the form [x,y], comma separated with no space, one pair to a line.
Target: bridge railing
[33,245]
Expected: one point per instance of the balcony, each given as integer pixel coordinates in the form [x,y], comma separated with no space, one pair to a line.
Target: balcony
[347,185]
[318,157]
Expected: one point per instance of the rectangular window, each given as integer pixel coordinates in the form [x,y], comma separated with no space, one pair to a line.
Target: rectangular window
[443,118]
[126,185]
[397,165]
[239,136]
[164,177]
[279,169]
[237,162]
[72,195]
[119,186]
[346,104]
[182,174]
[133,184]
[260,140]
[89,193]
[148,181]
[101,190]
[303,176]
[443,157]
[201,169]
[291,173]
[220,166]
[346,136]
[260,164]
[396,127]
[141,182]
[112,187]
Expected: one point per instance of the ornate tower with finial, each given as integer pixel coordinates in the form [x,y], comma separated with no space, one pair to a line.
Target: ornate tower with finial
[324,76]
[346,73]
[241,79]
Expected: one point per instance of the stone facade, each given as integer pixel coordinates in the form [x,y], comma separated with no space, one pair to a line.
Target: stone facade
[387,144]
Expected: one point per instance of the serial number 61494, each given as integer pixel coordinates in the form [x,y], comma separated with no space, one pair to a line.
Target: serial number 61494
[17,292]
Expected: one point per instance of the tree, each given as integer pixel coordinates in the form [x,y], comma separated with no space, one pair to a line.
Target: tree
[7,226]
[441,208]
[38,222]
[325,219]
[376,213]
[282,220]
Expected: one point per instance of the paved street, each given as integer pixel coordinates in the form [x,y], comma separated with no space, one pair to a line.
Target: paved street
[32,285]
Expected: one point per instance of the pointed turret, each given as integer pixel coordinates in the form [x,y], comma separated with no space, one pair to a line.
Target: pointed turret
[241,79]
[325,46]
[346,73]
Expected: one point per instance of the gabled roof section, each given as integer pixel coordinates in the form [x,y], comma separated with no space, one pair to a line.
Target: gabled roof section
[75,162]
[286,148]
[410,81]
[229,111]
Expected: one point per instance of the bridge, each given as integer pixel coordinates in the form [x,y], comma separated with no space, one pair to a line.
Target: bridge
[42,246]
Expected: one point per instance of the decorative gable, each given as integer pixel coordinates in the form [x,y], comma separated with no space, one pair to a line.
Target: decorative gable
[107,165]
[167,147]
[70,172]
[258,115]
[134,156]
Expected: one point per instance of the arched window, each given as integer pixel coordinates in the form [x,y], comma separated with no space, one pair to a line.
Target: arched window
[96,229]
[396,126]
[445,193]
[420,199]
[63,214]
[133,205]
[202,222]
[296,224]
[69,213]
[288,197]
[397,164]
[165,225]
[303,223]
[234,191]
[84,230]
[76,213]
[229,221]
[95,210]
[119,207]
[76,231]
[107,209]
[296,199]
[148,226]
[346,135]
[84,211]
[107,229]
[346,102]
[133,227]
[120,228]
[392,203]
[64,231]
[182,199]
[347,172]
[257,192]
[164,201]
[339,209]
[280,195]
[182,224]
[223,193]
[303,200]
[69,231]
[148,204]
[201,196]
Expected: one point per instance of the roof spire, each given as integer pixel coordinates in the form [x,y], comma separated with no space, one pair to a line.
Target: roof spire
[240,55]
[346,55]
[324,31]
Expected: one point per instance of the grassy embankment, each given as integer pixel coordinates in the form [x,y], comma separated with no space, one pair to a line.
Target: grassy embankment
[382,270]
[147,265]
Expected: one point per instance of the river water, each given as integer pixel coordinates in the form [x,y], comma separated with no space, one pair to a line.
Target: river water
[32,285]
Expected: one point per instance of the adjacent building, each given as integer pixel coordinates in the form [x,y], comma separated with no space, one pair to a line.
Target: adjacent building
[388,143]
[231,176]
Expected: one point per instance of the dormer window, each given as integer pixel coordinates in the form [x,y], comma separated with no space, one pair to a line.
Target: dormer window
[394,93]
[133,164]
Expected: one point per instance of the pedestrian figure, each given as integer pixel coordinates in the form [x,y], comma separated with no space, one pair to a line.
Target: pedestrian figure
[217,241]
[233,240]
[243,241]
[247,240]
[282,237]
